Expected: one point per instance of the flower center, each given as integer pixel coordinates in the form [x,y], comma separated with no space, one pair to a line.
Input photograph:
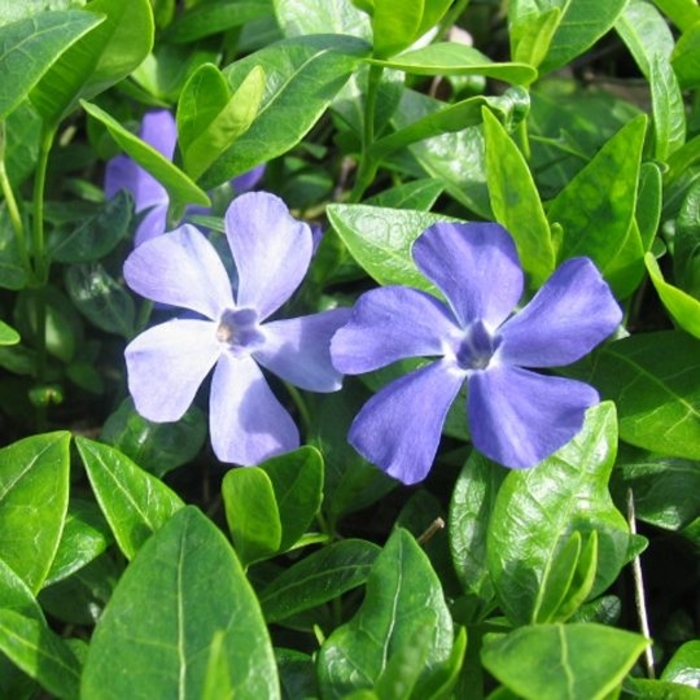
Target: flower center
[477,347]
[238,328]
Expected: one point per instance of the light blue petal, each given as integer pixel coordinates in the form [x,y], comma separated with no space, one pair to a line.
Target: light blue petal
[182,269]
[153,224]
[271,249]
[399,428]
[475,266]
[573,312]
[247,422]
[519,418]
[167,363]
[390,324]
[298,350]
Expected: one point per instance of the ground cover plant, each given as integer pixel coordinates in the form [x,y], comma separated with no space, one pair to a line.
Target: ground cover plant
[349,349]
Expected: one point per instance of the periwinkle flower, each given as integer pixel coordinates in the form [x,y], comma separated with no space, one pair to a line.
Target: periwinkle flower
[517,416]
[158,129]
[232,334]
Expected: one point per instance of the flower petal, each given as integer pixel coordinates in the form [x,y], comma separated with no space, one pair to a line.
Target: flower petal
[183,269]
[153,224]
[271,249]
[573,312]
[167,363]
[519,418]
[399,428]
[390,324]
[158,129]
[248,180]
[475,266]
[247,422]
[298,350]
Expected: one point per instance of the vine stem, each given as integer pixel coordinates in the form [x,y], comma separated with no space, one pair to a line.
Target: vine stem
[639,598]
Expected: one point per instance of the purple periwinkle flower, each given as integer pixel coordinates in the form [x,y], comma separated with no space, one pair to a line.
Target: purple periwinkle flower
[158,129]
[517,416]
[232,334]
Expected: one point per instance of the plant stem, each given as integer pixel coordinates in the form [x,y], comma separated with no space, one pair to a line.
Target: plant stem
[41,267]
[450,19]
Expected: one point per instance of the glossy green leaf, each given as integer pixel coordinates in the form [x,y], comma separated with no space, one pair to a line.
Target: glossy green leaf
[217,683]
[684,309]
[582,23]
[449,58]
[404,597]
[646,34]
[562,662]
[668,109]
[34,483]
[191,583]
[318,578]
[686,243]
[538,510]
[100,59]
[683,13]
[289,108]
[156,447]
[93,238]
[101,299]
[134,503]
[213,118]
[686,58]
[395,25]
[300,17]
[658,402]
[604,192]
[418,194]
[471,506]
[657,690]
[531,31]
[684,666]
[28,48]
[85,536]
[516,203]
[213,16]
[8,335]
[380,240]
[252,513]
[179,186]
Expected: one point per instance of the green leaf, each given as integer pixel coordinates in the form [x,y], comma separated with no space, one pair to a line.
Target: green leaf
[95,237]
[449,58]
[686,58]
[28,48]
[301,17]
[686,243]
[658,690]
[471,506]
[34,483]
[100,59]
[380,240]
[156,447]
[8,335]
[645,33]
[531,31]
[318,578]
[562,662]
[516,203]
[101,299]
[190,581]
[658,401]
[213,16]
[404,598]
[252,513]
[395,25]
[210,118]
[538,510]
[179,186]
[605,193]
[668,109]
[684,666]
[289,108]
[683,13]
[582,23]
[418,194]
[217,683]
[684,309]
[134,503]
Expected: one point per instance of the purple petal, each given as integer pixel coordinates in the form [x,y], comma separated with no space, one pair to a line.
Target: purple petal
[573,312]
[475,266]
[298,350]
[248,424]
[519,418]
[167,363]
[246,181]
[271,250]
[181,269]
[390,324]
[158,129]
[399,428]
[153,224]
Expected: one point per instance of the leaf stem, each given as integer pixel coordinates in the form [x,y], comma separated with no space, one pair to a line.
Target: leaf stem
[41,267]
